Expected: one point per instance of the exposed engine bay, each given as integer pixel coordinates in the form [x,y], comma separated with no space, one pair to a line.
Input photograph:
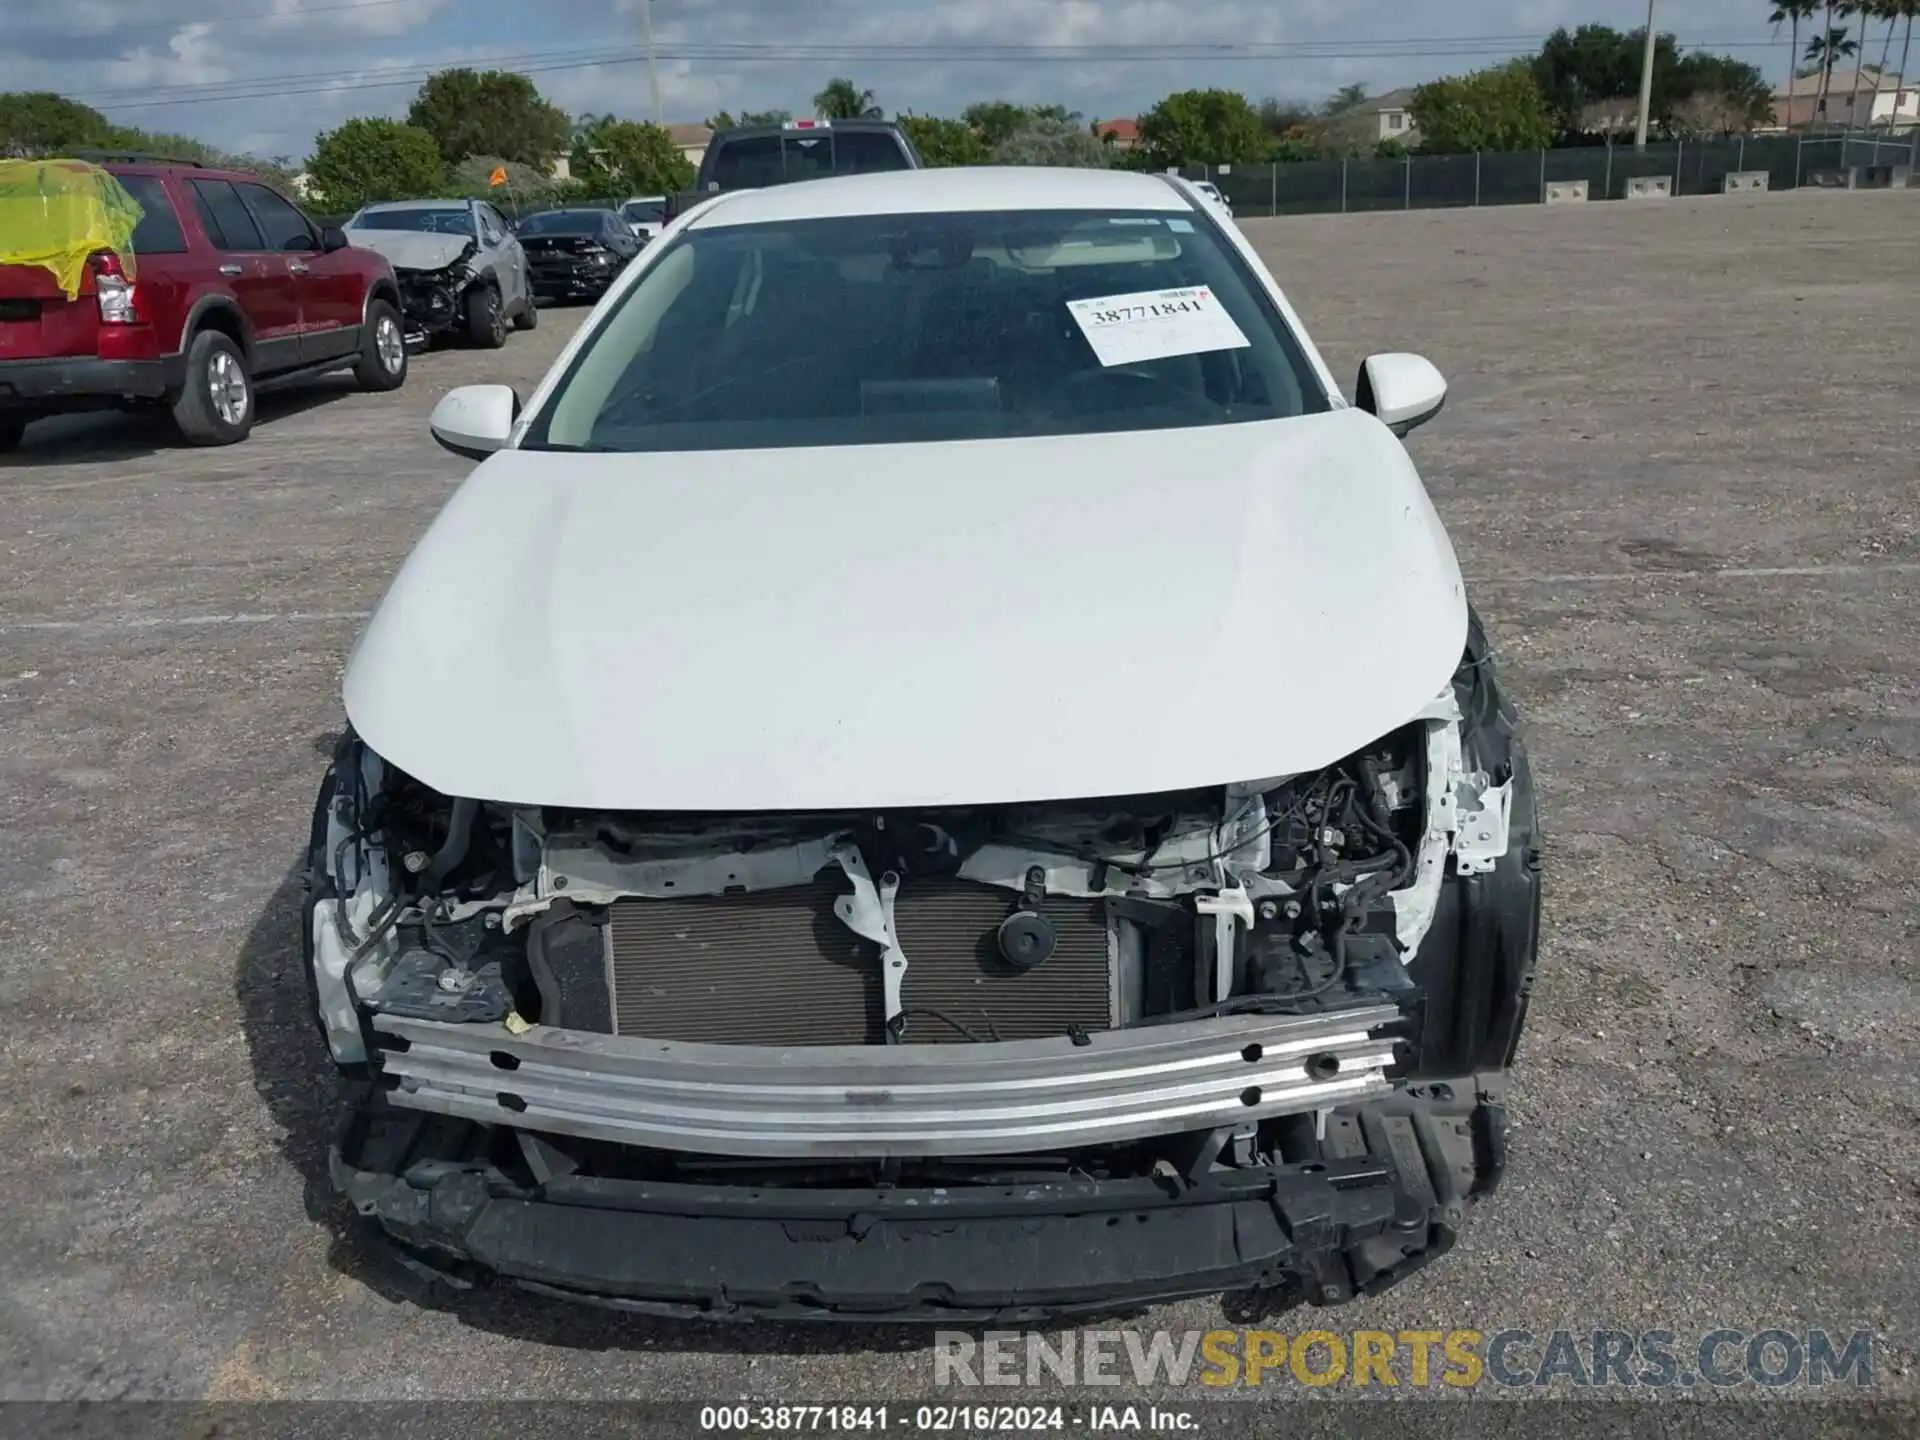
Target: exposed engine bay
[947,926]
[1308,984]
[433,301]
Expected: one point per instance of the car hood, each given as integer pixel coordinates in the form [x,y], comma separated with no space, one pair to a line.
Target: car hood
[413,249]
[905,625]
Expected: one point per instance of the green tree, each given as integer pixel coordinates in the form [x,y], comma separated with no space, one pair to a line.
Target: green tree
[1497,109]
[995,121]
[944,142]
[39,122]
[1278,116]
[1731,91]
[630,157]
[748,118]
[1595,64]
[371,158]
[1344,99]
[1193,127]
[1053,140]
[490,112]
[841,99]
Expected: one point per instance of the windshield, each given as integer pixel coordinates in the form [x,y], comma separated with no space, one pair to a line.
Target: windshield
[564,222]
[645,211]
[450,221]
[879,329]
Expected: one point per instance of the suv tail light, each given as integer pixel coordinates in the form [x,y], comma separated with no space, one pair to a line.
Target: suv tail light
[119,302]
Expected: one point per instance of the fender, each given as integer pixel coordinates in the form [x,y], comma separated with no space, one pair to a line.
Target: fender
[224,304]
[1476,962]
[382,288]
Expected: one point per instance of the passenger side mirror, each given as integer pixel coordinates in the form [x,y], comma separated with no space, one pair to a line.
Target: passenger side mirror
[333,238]
[1404,391]
[475,420]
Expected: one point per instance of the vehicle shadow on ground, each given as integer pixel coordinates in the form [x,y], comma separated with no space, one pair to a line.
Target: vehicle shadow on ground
[104,436]
[296,1082]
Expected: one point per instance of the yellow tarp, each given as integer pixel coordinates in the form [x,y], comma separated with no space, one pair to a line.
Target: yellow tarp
[55,213]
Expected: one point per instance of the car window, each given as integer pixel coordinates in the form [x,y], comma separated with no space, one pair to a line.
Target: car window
[283,226]
[158,232]
[889,329]
[493,223]
[645,212]
[453,220]
[747,163]
[229,225]
[860,151]
[808,155]
[562,222]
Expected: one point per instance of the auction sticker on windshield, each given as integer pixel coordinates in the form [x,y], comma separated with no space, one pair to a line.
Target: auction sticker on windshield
[1154,324]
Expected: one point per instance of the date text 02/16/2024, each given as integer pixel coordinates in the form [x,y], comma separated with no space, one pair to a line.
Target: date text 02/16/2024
[943,1419]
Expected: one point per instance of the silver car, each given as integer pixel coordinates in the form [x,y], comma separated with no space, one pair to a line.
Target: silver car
[461,270]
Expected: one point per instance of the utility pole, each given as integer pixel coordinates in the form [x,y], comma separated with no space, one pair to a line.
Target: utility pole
[653,64]
[1646,85]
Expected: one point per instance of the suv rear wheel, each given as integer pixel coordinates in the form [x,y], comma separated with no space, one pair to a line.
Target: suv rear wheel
[486,318]
[383,353]
[12,429]
[529,316]
[216,403]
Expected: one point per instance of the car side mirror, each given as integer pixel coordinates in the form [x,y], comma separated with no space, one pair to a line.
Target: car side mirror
[333,238]
[1404,391]
[475,420]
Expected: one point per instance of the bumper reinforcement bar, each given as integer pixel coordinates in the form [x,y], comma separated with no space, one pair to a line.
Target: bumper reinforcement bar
[893,1100]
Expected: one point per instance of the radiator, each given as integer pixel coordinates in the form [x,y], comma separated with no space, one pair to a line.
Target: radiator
[777,968]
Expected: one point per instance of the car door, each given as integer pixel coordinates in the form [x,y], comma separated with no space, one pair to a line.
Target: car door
[258,277]
[329,286]
[502,250]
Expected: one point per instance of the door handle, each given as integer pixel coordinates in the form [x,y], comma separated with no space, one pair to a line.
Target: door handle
[298,267]
[232,269]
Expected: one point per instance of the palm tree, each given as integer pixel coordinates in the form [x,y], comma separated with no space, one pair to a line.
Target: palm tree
[1826,62]
[1790,13]
[843,100]
[1889,11]
[1827,49]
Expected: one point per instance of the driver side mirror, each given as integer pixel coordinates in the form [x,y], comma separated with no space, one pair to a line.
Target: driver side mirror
[333,238]
[1404,391]
[475,420]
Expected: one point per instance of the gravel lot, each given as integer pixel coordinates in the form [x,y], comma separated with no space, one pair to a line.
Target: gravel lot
[1682,468]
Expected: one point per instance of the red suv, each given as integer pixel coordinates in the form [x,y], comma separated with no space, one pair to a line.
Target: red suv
[233,289]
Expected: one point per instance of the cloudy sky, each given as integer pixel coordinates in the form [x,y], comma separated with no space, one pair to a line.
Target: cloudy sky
[266,75]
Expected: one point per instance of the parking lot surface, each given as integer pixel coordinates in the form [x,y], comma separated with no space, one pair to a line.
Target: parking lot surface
[1681,464]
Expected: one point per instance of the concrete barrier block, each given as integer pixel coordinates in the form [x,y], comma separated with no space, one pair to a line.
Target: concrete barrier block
[1650,187]
[1748,182]
[1566,192]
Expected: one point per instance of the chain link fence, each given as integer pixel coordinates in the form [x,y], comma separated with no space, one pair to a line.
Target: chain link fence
[1427,182]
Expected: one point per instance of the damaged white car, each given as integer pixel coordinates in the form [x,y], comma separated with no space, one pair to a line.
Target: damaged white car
[939,769]
[462,272]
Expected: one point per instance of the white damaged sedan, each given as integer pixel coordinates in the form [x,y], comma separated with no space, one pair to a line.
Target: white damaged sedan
[938,769]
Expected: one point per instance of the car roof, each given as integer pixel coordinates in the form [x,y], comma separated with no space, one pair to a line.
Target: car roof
[968,187]
[809,127]
[450,204]
[185,168]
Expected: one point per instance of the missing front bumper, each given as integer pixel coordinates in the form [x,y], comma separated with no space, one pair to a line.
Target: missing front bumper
[1384,1193]
[839,1101]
